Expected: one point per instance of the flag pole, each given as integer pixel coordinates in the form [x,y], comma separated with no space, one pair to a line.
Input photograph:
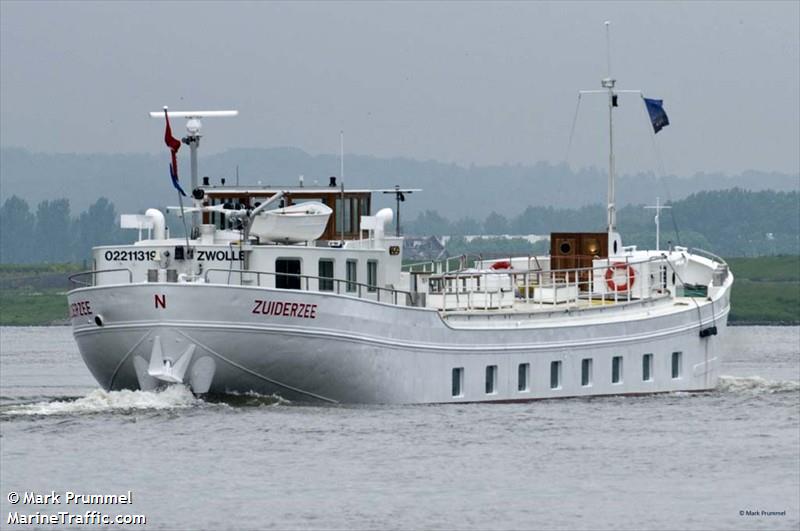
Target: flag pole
[173,170]
[183,218]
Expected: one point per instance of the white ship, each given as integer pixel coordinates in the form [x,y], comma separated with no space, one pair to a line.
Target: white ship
[311,301]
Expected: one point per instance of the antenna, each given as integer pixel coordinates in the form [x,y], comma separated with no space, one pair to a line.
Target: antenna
[193,127]
[400,196]
[658,207]
[608,46]
[341,176]
[341,155]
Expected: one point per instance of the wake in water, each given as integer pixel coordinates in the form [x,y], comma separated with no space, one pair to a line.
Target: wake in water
[248,399]
[179,397]
[756,385]
[99,401]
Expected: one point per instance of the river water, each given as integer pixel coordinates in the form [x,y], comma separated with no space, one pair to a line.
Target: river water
[675,461]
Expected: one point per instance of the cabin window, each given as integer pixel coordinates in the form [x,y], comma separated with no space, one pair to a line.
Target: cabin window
[299,200]
[348,215]
[339,218]
[352,275]
[677,359]
[586,372]
[288,276]
[491,379]
[555,375]
[616,369]
[325,274]
[364,207]
[523,375]
[372,275]
[647,368]
[458,381]
[435,285]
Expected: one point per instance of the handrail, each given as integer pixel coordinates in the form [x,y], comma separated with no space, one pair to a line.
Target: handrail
[708,254]
[569,286]
[73,279]
[464,272]
[357,287]
[434,265]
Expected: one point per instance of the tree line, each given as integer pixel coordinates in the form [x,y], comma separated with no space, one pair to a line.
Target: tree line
[732,222]
[50,234]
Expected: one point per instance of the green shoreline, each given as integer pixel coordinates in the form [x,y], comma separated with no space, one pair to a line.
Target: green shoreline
[766,292]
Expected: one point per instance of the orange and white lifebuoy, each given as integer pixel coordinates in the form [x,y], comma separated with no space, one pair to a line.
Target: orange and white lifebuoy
[617,282]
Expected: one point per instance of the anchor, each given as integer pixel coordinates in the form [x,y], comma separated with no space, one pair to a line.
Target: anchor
[160,370]
[164,370]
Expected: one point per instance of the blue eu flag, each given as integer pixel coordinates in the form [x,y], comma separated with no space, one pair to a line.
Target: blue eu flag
[655,108]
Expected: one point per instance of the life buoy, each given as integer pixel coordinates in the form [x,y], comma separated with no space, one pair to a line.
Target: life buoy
[630,276]
[505,264]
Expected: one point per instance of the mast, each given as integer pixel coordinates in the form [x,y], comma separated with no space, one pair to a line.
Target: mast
[609,89]
[608,83]
[192,139]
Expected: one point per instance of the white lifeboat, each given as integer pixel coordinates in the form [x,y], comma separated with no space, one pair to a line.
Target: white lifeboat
[293,224]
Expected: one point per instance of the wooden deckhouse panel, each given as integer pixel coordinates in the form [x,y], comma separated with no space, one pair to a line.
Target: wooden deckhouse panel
[347,206]
[571,250]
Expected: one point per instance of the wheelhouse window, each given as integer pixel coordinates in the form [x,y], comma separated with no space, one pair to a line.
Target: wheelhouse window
[523,375]
[458,381]
[363,209]
[491,379]
[616,369]
[288,276]
[325,274]
[372,275]
[586,372]
[348,214]
[677,359]
[647,368]
[339,223]
[555,375]
[352,275]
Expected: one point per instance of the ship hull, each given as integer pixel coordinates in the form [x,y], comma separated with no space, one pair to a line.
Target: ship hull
[309,346]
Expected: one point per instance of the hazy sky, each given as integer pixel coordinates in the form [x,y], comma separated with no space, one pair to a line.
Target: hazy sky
[456,82]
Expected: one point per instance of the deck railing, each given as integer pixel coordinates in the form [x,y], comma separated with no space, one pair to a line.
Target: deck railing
[562,288]
[241,277]
[75,279]
[351,287]
[470,289]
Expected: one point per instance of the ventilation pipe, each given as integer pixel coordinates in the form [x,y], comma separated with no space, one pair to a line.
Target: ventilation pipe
[156,217]
[384,217]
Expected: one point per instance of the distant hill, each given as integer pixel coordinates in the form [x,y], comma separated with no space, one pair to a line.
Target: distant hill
[135,181]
